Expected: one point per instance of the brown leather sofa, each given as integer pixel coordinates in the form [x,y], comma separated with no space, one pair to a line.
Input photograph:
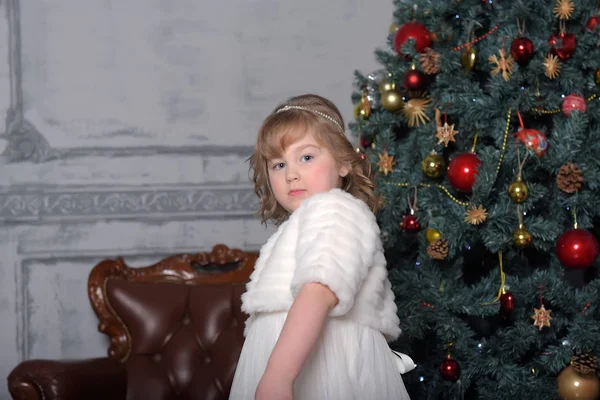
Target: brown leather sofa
[175,328]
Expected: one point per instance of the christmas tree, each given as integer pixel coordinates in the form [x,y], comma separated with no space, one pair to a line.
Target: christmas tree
[483,129]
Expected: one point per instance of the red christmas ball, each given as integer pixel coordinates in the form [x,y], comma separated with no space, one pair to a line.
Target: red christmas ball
[577,248]
[414,80]
[410,223]
[534,140]
[412,30]
[507,303]
[592,23]
[521,49]
[365,141]
[573,102]
[462,171]
[449,369]
[563,44]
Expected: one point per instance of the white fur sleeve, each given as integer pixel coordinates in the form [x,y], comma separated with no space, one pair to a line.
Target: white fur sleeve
[336,242]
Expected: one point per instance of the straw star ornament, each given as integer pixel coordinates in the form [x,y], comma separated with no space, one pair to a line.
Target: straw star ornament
[445,133]
[541,317]
[564,9]
[414,111]
[476,215]
[503,65]
[552,66]
[385,163]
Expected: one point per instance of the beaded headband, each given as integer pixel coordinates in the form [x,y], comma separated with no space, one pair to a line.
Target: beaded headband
[319,113]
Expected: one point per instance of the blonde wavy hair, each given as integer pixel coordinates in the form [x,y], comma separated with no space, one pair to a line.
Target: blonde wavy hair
[281,129]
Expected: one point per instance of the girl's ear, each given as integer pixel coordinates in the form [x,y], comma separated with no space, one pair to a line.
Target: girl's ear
[345,169]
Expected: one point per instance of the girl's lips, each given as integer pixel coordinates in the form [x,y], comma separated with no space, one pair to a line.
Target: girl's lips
[296,192]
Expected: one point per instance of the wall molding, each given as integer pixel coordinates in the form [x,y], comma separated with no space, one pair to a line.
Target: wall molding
[27,143]
[91,203]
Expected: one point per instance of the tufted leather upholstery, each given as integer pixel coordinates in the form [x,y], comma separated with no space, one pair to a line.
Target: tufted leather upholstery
[176,332]
[185,339]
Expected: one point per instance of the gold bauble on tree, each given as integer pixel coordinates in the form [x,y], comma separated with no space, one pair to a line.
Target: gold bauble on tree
[521,237]
[391,100]
[432,235]
[363,109]
[386,85]
[579,380]
[433,165]
[468,59]
[518,191]
[597,78]
[362,112]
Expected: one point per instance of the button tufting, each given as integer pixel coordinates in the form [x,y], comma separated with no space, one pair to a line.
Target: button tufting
[157,357]
[186,320]
[207,360]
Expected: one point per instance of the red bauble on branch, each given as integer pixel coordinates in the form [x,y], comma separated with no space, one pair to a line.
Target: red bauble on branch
[563,44]
[414,80]
[577,248]
[412,30]
[462,171]
[410,223]
[573,102]
[366,141]
[521,49]
[592,23]
[449,369]
[507,303]
[533,139]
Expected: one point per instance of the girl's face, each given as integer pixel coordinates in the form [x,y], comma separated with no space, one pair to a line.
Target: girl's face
[305,168]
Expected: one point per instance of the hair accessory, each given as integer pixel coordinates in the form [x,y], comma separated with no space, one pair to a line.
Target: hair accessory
[319,113]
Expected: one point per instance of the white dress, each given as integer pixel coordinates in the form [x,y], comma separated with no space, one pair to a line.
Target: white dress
[351,359]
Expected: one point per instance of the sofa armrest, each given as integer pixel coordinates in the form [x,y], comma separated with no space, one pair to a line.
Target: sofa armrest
[91,379]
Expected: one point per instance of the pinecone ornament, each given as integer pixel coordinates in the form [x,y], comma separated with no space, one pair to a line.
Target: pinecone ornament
[438,250]
[430,61]
[584,364]
[569,178]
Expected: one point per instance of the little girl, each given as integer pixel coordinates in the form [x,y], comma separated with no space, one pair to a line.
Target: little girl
[319,301]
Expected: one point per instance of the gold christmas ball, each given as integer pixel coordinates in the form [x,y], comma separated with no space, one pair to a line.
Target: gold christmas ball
[432,235]
[468,58]
[362,111]
[518,191]
[521,237]
[391,100]
[597,77]
[393,28]
[572,385]
[386,85]
[433,165]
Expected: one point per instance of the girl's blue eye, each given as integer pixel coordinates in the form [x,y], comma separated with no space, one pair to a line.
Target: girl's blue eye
[279,165]
[307,157]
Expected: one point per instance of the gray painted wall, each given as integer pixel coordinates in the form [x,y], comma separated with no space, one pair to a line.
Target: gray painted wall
[127,128]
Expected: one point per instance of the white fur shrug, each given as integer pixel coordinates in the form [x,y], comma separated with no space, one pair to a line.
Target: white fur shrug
[332,238]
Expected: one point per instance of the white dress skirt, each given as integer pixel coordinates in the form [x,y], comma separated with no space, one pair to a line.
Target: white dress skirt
[349,361]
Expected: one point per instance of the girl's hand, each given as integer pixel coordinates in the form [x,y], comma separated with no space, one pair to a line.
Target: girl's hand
[273,387]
